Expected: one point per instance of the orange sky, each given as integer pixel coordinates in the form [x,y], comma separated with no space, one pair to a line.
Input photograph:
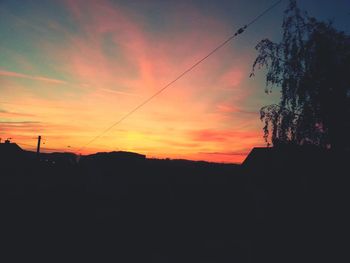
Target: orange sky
[69,83]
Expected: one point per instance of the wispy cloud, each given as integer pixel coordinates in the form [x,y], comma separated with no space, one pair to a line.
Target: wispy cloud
[231,108]
[208,135]
[19,122]
[12,74]
[226,153]
[119,92]
[10,114]
[114,59]
[20,127]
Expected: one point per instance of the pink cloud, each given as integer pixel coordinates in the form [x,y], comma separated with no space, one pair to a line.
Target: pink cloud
[229,108]
[118,92]
[231,78]
[222,135]
[114,63]
[226,108]
[223,157]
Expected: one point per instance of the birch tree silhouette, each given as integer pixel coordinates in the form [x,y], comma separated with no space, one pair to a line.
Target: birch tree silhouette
[311,67]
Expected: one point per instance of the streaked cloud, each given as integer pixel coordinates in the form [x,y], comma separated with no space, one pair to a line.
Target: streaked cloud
[110,60]
[117,92]
[12,74]
[18,122]
[221,135]
[11,114]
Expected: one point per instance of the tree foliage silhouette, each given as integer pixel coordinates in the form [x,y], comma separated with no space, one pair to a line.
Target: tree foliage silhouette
[311,66]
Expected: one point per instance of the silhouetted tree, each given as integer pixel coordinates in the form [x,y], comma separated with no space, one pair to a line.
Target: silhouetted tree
[311,66]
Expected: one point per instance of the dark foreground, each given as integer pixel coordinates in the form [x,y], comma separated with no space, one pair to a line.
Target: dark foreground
[285,207]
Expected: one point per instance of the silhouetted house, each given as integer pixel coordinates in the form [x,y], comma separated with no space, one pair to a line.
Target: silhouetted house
[10,149]
[259,156]
[11,157]
[286,157]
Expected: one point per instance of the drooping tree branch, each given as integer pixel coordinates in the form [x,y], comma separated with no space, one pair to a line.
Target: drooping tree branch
[311,67]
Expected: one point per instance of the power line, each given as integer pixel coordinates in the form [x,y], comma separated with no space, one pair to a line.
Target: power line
[42,147]
[29,145]
[239,31]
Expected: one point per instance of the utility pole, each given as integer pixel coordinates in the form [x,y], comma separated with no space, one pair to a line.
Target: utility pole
[38,147]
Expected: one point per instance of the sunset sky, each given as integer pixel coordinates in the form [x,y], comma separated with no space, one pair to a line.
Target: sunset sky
[70,69]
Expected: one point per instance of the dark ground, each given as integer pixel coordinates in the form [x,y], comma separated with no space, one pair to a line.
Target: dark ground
[139,210]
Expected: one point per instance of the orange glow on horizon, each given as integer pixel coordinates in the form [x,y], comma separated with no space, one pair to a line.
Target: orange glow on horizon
[115,62]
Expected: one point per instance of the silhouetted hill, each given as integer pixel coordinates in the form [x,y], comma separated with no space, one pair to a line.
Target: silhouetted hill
[115,155]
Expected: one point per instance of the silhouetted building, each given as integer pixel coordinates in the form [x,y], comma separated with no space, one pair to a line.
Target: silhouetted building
[285,156]
[8,148]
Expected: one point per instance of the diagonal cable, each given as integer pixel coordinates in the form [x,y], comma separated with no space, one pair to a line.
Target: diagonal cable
[239,31]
